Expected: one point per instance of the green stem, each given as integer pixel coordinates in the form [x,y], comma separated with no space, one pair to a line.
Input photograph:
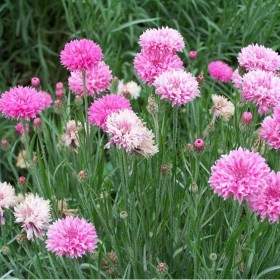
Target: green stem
[86,102]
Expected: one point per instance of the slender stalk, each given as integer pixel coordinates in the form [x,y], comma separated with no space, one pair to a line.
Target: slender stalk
[86,102]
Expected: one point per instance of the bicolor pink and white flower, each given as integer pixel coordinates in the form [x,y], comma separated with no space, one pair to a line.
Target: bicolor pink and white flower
[72,237]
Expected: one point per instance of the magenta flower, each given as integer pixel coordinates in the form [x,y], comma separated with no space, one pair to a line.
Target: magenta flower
[148,68]
[128,132]
[101,108]
[177,86]
[236,79]
[72,237]
[240,174]
[267,204]
[255,57]
[22,102]
[97,80]
[80,55]
[262,88]
[163,40]
[220,71]
[270,132]
[20,130]
[34,214]
[7,199]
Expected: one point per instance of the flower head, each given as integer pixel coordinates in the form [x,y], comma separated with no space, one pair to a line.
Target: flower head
[148,68]
[72,237]
[162,40]
[267,204]
[34,214]
[255,57]
[262,88]
[270,132]
[80,55]
[97,80]
[127,131]
[7,198]
[222,108]
[177,86]
[240,174]
[22,102]
[104,106]
[130,90]
[220,71]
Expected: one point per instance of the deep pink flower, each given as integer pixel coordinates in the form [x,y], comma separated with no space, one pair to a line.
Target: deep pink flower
[247,118]
[148,68]
[97,80]
[267,204]
[220,71]
[101,108]
[262,88]
[80,55]
[240,174]
[198,145]
[21,102]
[178,86]
[46,99]
[20,130]
[270,132]
[35,82]
[72,237]
[34,214]
[236,79]
[128,132]
[163,40]
[255,57]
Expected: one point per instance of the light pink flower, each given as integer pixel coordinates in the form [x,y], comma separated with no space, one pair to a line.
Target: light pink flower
[128,132]
[20,130]
[262,88]
[178,86]
[267,204]
[80,55]
[101,108]
[270,132]
[240,174]
[34,214]
[97,80]
[46,99]
[22,102]
[276,113]
[255,57]
[163,40]
[7,199]
[220,71]
[148,67]
[71,138]
[236,79]
[72,237]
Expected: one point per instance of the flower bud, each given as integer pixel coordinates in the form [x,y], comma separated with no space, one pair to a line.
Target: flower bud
[22,180]
[35,82]
[78,100]
[247,118]
[4,143]
[59,85]
[213,257]
[198,145]
[37,122]
[59,93]
[200,79]
[192,55]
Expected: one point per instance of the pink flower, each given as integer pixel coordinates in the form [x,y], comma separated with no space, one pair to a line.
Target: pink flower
[34,214]
[276,113]
[7,199]
[59,93]
[270,132]
[101,108]
[198,145]
[35,82]
[177,86]
[46,99]
[22,102]
[20,130]
[80,55]
[267,204]
[71,138]
[59,85]
[192,55]
[240,174]
[220,71]
[128,132]
[236,79]
[162,40]
[97,80]
[72,237]
[148,67]
[37,122]
[262,88]
[247,118]
[255,57]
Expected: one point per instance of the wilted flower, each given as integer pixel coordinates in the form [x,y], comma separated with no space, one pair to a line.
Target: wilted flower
[22,159]
[62,208]
[34,214]
[71,138]
[222,108]
[213,257]
[109,263]
[7,199]
[123,215]
[72,237]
